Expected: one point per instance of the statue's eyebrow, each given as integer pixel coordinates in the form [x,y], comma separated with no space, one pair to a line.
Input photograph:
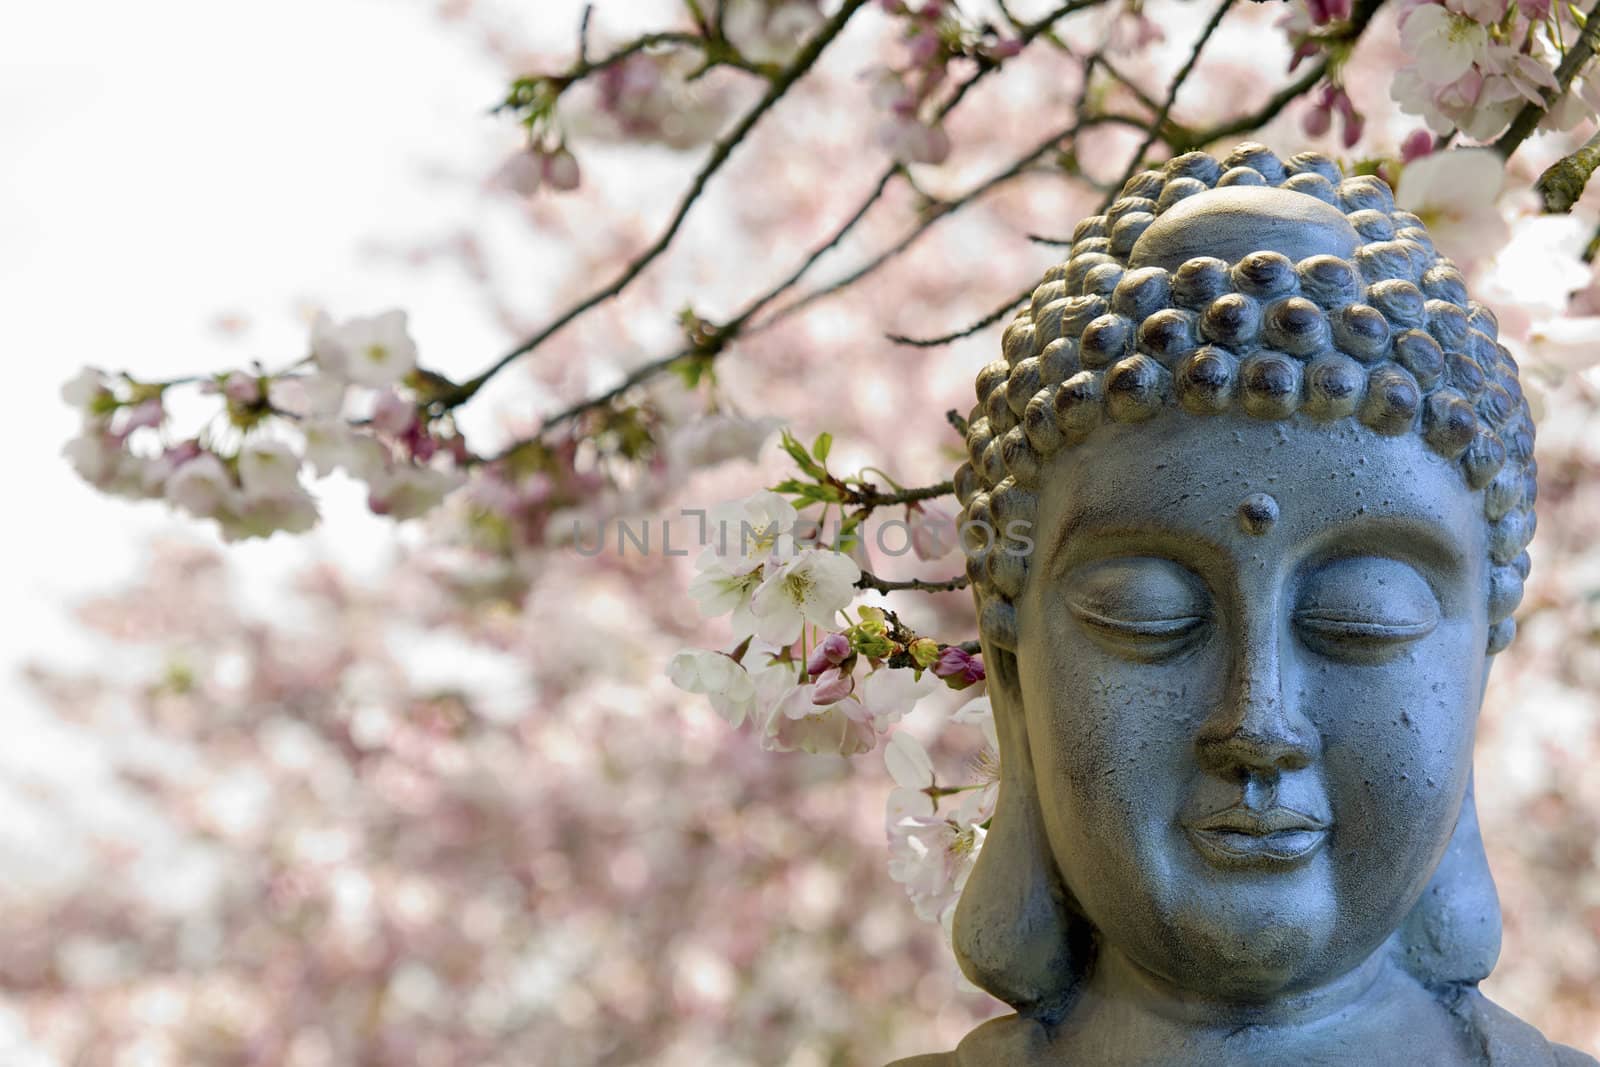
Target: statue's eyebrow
[1424,540]
[1113,533]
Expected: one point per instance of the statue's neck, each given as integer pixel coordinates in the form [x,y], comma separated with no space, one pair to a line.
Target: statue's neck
[1125,1014]
[1119,979]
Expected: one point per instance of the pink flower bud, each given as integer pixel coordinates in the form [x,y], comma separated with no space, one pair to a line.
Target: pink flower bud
[958,668]
[833,685]
[924,48]
[1354,125]
[1317,121]
[834,650]
[242,389]
[933,531]
[520,174]
[393,415]
[1417,144]
[560,170]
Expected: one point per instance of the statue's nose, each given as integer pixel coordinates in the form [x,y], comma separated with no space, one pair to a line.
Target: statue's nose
[1257,729]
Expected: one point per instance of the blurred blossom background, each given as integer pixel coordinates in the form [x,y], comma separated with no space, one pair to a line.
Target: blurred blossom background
[422,792]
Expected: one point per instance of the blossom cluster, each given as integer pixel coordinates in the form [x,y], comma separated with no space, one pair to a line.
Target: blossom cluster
[934,38]
[931,852]
[247,474]
[1476,63]
[844,685]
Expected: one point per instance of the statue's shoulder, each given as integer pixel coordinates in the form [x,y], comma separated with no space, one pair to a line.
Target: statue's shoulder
[1511,1042]
[1009,1041]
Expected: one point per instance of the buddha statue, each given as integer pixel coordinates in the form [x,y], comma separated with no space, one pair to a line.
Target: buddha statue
[1263,484]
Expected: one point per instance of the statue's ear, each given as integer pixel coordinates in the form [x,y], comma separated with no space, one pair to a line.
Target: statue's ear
[1452,936]
[1016,934]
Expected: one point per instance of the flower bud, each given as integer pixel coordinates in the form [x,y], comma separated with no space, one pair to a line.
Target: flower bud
[924,652]
[834,650]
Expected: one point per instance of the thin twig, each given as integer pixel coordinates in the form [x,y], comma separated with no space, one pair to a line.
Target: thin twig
[868,580]
[583,34]
[1360,16]
[966,331]
[1172,98]
[721,151]
[739,325]
[870,498]
[1528,118]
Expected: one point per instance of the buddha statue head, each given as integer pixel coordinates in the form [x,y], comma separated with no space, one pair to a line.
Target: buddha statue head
[1256,482]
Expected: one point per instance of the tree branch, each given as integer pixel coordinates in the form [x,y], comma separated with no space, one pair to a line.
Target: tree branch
[966,331]
[1528,118]
[1563,183]
[721,151]
[727,333]
[1172,98]
[868,580]
[875,498]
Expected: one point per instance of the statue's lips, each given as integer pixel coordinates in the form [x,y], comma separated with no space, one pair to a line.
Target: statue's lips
[1274,838]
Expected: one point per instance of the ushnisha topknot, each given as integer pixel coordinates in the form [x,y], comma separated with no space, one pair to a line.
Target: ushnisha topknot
[1367,321]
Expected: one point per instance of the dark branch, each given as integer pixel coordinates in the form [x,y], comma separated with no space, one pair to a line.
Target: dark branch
[868,580]
[1172,98]
[966,331]
[721,151]
[739,325]
[1528,118]
[870,497]
[1563,183]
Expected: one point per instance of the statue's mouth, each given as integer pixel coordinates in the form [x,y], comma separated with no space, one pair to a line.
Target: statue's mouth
[1275,838]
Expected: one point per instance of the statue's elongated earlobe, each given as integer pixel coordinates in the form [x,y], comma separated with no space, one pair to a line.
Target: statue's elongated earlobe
[1016,936]
[1452,936]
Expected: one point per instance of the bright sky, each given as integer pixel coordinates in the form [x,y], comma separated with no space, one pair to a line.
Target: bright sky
[165,164]
[162,165]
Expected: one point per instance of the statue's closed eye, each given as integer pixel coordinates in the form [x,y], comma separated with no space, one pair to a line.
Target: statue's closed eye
[1365,608]
[1142,608]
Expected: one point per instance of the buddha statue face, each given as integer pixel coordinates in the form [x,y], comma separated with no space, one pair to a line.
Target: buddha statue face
[1249,660]
[1254,482]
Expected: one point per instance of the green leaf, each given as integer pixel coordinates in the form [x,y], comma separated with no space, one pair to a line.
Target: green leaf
[822,446]
[802,458]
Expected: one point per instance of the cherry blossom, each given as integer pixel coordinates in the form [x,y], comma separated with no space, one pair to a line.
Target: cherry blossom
[373,350]
[932,857]
[203,488]
[813,586]
[717,676]
[1443,43]
[1455,195]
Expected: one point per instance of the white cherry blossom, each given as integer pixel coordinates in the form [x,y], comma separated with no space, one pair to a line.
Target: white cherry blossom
[261,515]
[202,487]
[912,772]
[812,587]
[374,350]
[1455,193]
[716,592]
[887,694]
[714,674]
[407,491]
[1443,43]
[741,535]
[932,856]
[794,721]
[268,469]
[85,388]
